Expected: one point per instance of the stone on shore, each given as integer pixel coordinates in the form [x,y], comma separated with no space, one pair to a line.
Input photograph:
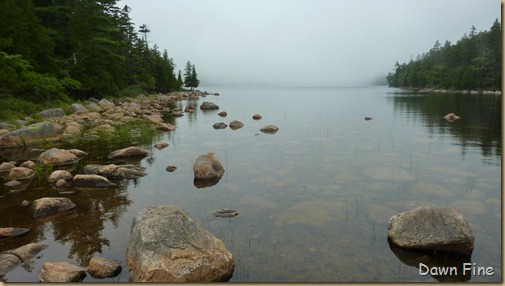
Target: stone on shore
[235,124]
[106,104]
[28,164]
[77,107]
[61,272]
[6,166]
[101,268]
[57,157]
[91,181]
[208,167]
[432,228]
[47,206]
[11,259]
[41,132]
[207,105]
[128,152]
[52,113]
[270,129]
[168,245]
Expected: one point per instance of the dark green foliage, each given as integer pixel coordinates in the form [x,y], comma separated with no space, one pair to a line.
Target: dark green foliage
[190,76]
[55,49]
[474,62]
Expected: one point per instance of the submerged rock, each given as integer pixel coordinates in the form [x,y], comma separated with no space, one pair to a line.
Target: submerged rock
[168,245]
[61,272]
[91,181]
[57,157]
[207,167]
[128,152]
[11,259]
[115,172]
[432,228]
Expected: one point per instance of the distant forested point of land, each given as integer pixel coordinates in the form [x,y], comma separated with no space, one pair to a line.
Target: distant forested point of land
[473,63]
[66,50]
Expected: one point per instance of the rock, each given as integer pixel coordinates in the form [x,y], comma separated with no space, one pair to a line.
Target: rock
[222,114]
[61,272]
[13,184]
[93,107]
[220,125]
[432,228]
[3,132]
[270,129]
[105,128]
[52,113]
[161,145]
[207,167]
[105,104]
[72,130]
[189,109]
[46,206]
[78,153]
[167,245]
[115,172]
[6,166]
[155,118]
[451,117]
[79,108]
[59,175]
[57,157]
[25,203]
[101,268]
[28,164]
[235,124]
[91,181]
[257,117]
[7,126]
[166,127]
[171,168]
[368,118]
[177,113]
[62,183]
[12,231]
[128,152]
[41,132]
[21,173]
[207,105]
[11,259]
[225,213]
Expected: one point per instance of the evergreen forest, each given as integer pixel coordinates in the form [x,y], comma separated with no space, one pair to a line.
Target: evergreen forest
[473,63]
[56,51]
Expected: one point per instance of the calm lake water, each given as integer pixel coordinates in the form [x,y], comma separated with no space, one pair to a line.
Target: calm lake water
[314,198]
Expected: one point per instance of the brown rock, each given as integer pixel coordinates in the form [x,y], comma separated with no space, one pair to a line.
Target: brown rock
[21,173]
[128,152]
[102,268]
[59,175]
[46,206]
[57,157]
[222,114]
[28,164]
[257,117]
[235,124]
[91,181]
[61,272]
[207,167]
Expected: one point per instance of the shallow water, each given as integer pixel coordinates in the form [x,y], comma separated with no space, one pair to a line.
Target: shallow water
[314,198]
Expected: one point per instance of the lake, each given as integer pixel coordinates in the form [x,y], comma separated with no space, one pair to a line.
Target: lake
[314,198]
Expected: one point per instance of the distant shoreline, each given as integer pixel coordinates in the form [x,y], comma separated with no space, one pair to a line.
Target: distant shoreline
[452,91]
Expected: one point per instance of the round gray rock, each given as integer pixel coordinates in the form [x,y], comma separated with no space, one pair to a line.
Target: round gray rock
[207,105]
[270,129]
[167,245]
[208,167]
[432,228]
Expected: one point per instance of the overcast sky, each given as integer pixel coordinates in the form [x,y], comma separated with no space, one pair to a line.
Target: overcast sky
[304,42]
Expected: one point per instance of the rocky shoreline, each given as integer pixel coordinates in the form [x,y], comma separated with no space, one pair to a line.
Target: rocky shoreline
[453,91]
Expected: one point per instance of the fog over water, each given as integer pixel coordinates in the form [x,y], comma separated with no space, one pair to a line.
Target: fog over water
[304,42]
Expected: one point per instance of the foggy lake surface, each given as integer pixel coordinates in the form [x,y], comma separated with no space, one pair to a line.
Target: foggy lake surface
[314,199]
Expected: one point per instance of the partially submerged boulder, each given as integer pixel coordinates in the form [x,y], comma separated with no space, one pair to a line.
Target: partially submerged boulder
[21,173]
[451,117]
[61,272]
[11,259]
[91,181]
[132,151]
[256,117]
[57,157]
[235,124]
[219,125]
[59,175]
[270,129]
[168,245]
[115,172]
[432,228]
[207,105]
[47,206]
[100,268]
[41,132]
[12,231]
[207,167]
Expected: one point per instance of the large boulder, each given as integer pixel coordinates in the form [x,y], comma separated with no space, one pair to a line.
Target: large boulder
[128,152]
[47,206]
[431,228]
[91,181]
[11,259]
[168,245]
[52,113]
[208,167]
[207,105]
[115,172]
[57,157]
[21,173]
[61,272]
[41,132]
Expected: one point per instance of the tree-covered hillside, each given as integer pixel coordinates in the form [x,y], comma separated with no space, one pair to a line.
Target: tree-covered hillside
[60,49]
[473,63]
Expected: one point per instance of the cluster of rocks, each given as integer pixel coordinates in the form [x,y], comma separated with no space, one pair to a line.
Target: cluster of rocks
[95,116]
[446,91]
[236,124]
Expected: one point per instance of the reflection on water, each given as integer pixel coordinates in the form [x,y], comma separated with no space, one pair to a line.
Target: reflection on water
[314,199]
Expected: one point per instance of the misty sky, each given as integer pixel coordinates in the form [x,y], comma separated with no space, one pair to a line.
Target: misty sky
[304,42]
